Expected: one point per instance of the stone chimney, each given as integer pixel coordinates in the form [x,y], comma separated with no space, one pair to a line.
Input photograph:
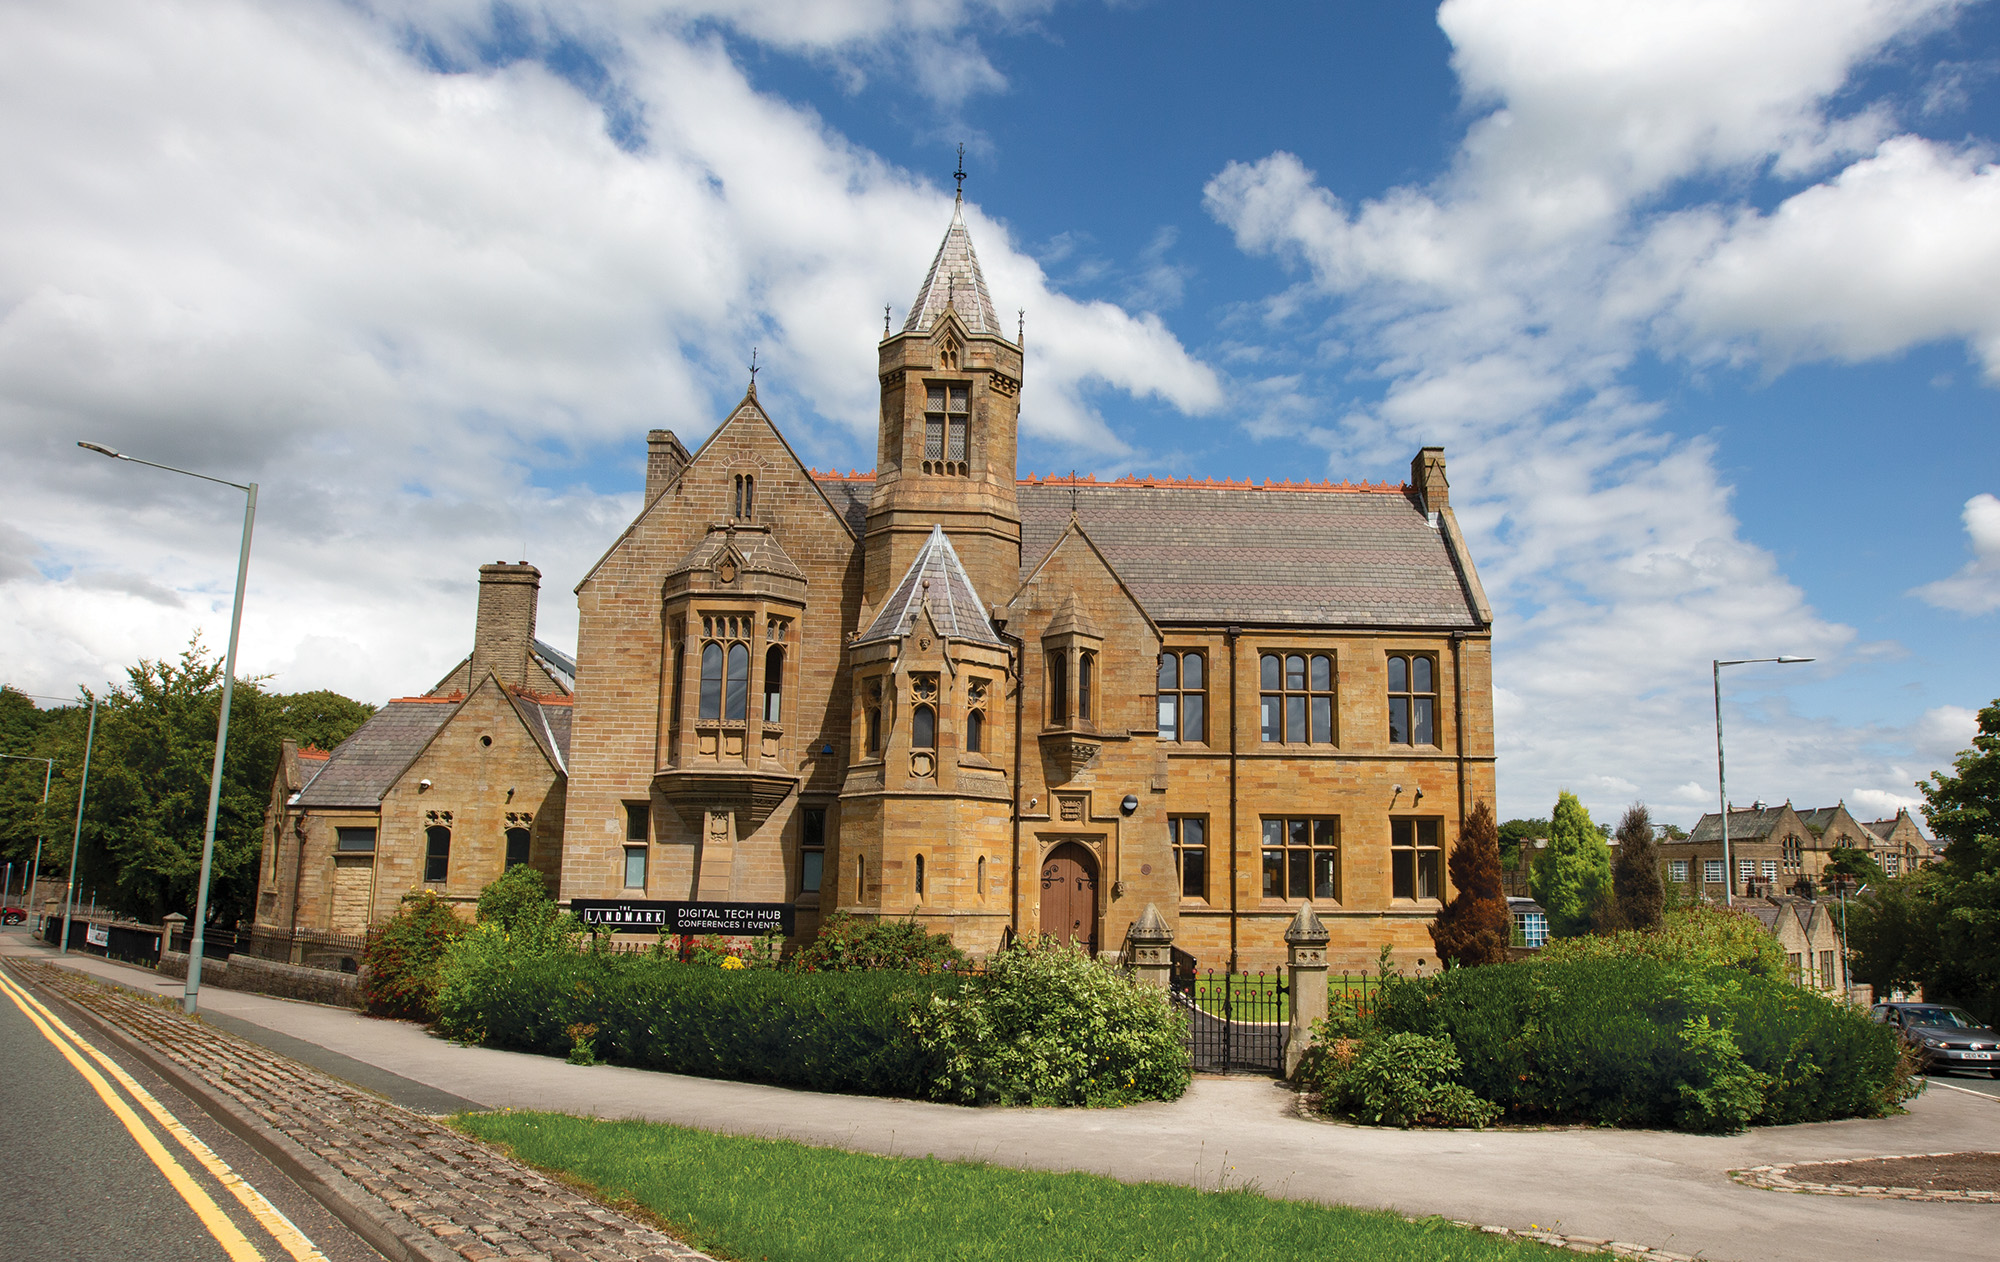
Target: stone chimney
[1427,480]
[505,638]
[665,458]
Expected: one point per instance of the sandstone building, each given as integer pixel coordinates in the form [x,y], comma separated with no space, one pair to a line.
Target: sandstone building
[1009,706]
[1778,849]
[442,791]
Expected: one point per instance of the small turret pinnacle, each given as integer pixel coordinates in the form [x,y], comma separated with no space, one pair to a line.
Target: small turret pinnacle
[959,174]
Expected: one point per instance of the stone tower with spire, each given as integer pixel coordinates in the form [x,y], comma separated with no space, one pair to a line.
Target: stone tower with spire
[951,391]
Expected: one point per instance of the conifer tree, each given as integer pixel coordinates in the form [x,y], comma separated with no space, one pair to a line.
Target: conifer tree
[1573,873]
[1635,877]
[1473,927]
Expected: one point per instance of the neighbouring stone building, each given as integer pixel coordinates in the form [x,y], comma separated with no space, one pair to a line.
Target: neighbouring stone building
[1018,705]
[1778,849]
[1810,936]
[441,791]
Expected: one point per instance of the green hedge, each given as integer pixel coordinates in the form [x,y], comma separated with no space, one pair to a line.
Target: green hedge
[843,1032]
[1633,1041]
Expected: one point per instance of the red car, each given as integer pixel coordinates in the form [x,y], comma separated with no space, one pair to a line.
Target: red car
[13,915]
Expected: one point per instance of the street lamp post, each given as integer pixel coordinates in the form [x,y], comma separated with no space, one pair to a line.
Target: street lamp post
[41,829]
[190,999]
[76,841]
[1721,781]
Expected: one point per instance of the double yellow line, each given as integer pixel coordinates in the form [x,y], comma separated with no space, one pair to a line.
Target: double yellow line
[74,1049]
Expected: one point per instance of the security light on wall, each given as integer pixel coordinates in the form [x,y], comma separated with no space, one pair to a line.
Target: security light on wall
[422,785]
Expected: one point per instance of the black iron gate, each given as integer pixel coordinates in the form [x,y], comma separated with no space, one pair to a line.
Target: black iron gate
[1235,1020]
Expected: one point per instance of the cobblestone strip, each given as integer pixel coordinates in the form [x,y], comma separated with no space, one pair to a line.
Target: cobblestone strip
[1777,1179]
[469,1201]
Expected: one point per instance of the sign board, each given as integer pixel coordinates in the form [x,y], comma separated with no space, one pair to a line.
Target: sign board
[643,915]
[97,935]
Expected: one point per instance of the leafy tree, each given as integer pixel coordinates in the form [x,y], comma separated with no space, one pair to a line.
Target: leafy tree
[1473,927]
[1940,926]
[1513,833]
[1635,878]
[319,717]
[1673,832]
[517,898]
[1573,873]
[1857,863]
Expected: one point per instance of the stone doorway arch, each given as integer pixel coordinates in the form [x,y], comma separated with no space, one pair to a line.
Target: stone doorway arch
[1069,895]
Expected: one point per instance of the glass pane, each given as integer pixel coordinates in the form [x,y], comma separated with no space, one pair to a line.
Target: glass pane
[1274,874]
[1272,672]
[1399,674]
[1191,670]
[814,829]
[934,438]
[1298,873]
[517,846]
[936,397]
[1170,671]
[1273,706]
[1402,832]
[923,728]
[1193,832]
[1295,673]
[1326,833]
[1323,720]
[1169,720]
[1194,873]
[736,690]
[1300,831]
[975,732]
[1420,670]
[1086,682]
[1322,673]
[1427,831]
[959,396]
[1428,881]
[957,433]
[1424,733]
[1399,720]
[1295,719]
[1191,727]
[1326,874]
[1403,868]
[635,867]
[812,869]
[711,681]
[1274,832]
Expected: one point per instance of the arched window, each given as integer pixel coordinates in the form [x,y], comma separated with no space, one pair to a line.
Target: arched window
[923,729]
[982,874]
[774,683]
[1086,679]
[437,852]
[872,700]
[975,731]
[711,680]
[736,683]
[920,876]
[1058,687]
[746,496]
[518,842]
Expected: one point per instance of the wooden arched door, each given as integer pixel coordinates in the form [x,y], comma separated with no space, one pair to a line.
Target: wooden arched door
[1069,896]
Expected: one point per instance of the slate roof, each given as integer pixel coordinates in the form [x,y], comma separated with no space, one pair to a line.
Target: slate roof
[936,578]
[558,664]
[954,282]
[1745,825]
[1819,817]
[1278,553]
[365,765]
[759,549]
[547,720]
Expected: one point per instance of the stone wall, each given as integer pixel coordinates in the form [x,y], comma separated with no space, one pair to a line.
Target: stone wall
[269,977]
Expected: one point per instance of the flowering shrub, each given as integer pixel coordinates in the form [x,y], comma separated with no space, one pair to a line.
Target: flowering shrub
[405,954]
[1049,1025]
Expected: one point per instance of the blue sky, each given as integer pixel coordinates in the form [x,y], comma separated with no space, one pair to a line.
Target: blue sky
[1699,296]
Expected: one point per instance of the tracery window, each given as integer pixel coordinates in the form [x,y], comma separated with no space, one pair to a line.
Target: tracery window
[975,716]
[774,683]
[1297,697]
[1183,697]
[725,667]
[519,843]
[923,715]
[947,413]
[1086,682]
[1058,663]
[871,701]
[437,852]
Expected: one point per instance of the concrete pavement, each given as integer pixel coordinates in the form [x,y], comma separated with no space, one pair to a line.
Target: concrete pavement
[1662,1190]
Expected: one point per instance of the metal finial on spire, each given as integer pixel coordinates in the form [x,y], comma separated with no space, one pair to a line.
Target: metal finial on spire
[753,370]
[885,319]
[1021,327]
[959,174]
[1072,493]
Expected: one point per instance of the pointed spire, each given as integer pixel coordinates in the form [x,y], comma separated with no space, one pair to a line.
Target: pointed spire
[955,281]
[937,578]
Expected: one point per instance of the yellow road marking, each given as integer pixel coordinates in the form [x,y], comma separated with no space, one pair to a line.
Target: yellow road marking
[233,1241]
[282,1229]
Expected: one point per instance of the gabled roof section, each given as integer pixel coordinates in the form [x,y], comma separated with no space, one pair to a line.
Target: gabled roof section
[367,764]
[954,284]
[758,550]
[547,720]
[1071,620]
[935,578]
[1744,825]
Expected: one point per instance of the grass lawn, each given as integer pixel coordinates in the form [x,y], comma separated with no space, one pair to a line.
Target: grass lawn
[1250,994]
[763,1200]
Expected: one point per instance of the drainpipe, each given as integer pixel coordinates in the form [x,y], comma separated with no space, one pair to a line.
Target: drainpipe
[1020,686]
[1229,636]
[1458,720]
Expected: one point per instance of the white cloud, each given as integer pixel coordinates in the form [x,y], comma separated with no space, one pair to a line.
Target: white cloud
[1974,589]
[1501,306]
[424,310]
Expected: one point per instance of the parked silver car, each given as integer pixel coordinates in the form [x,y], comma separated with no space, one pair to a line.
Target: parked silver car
[1945,1037]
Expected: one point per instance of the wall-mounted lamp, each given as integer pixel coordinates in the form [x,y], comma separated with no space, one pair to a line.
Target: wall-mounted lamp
[1129,805]
[1419,797]
[422,785]
[1032,802]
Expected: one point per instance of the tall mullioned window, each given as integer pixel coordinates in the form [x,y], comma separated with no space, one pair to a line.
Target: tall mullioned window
[1189,834]
[725,667]
[744,502]
[947,412]
[1297,690]
[1183,697]
[1412,699]
[1302,858]
[1416,858]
